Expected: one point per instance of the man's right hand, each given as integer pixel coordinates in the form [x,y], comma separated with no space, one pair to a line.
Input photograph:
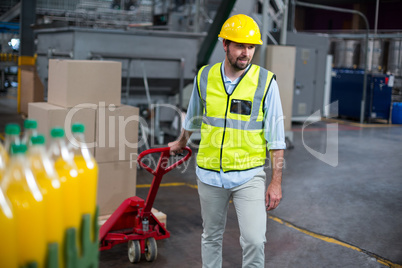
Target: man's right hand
[176,147]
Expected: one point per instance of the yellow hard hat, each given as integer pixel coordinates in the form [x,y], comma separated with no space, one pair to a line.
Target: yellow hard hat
[241,29]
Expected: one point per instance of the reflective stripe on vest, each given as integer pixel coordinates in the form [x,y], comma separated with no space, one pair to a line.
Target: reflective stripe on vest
[232,137]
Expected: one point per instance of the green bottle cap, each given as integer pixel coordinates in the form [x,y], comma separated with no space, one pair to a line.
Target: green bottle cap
[57,132]
[13,129]
[18,149]
[38,140]
[30,124]
[78,128]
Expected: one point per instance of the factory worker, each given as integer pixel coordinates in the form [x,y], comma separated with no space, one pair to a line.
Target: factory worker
[237,107]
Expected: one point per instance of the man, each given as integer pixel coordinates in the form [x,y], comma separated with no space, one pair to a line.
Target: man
[238,109]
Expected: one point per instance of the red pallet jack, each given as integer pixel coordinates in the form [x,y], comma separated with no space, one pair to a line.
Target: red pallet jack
[133,221]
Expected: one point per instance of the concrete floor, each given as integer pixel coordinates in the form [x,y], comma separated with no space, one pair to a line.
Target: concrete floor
[347,215]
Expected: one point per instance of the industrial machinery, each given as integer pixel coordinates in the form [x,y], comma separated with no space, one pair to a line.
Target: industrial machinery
[152,71]
[384,79]
[133,221]
[347,90]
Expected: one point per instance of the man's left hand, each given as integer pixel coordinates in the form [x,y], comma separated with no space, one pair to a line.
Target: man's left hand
[273,195]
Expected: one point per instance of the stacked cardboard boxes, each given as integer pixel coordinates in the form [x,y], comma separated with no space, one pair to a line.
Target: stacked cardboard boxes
[31,87]
[89,92]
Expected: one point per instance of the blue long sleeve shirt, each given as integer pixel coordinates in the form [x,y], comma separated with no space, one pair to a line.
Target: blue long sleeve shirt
[273,132]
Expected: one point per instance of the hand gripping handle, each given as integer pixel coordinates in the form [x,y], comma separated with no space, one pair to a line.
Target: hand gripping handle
[165,154]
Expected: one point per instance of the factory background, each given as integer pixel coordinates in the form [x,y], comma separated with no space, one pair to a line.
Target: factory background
[339,68]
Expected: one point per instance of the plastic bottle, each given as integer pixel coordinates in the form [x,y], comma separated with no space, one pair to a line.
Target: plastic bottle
[27,202]
[3,160]
[87,170]
[30,127]
[68,176]
[12,136]
[8,234]
[46,177]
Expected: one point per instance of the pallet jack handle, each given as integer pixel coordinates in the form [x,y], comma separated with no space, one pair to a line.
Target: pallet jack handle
[163,160]
[158,173]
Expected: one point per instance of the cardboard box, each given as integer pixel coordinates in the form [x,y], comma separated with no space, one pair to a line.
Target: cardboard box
[31,88]
[116,133]
[281,60]
[111,132]
[73,82]
[49,116]
[160,216]
[116,182]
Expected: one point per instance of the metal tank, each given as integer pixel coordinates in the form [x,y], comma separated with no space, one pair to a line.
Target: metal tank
[346,53]
[375,55]
[395,57]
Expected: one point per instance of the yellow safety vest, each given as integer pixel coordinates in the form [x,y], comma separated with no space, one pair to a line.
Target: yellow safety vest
[232,137]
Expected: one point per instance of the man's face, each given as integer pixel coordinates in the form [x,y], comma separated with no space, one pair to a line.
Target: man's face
[239,55]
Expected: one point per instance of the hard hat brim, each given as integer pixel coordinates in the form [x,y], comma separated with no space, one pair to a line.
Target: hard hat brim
[242,40]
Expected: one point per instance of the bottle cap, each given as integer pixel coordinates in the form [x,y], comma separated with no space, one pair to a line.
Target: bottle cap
[38,140]
[57,132]
[78,128]
[30,124]
[18,149]
[12,129]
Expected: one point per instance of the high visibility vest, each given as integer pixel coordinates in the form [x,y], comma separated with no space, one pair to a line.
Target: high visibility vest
[232,136]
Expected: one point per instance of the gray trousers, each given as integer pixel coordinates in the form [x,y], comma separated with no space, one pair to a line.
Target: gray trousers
[249,202]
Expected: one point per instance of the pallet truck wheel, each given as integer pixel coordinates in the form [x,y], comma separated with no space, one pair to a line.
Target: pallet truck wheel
[134,251]
[151,249]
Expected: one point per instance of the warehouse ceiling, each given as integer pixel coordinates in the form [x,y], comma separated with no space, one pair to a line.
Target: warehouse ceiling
[348,2]
[7,13]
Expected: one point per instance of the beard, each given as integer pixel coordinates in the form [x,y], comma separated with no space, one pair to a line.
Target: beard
[235,62]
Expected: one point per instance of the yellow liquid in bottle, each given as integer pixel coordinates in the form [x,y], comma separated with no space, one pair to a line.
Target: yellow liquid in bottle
[3,153]
[30,223]
[53,199]
[53,209]
[8,234]
[69,180]
[88,174]
[3,160]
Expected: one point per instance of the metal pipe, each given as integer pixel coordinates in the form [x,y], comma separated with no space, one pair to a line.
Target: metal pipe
[265,6]
[375,33]
[292,22]
[145,79]
[54,53]
[362,36]
[284,27]
[376,16]
[344,10]
[197,16]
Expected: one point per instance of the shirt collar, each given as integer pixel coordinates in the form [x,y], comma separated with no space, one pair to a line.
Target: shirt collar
[226,79]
